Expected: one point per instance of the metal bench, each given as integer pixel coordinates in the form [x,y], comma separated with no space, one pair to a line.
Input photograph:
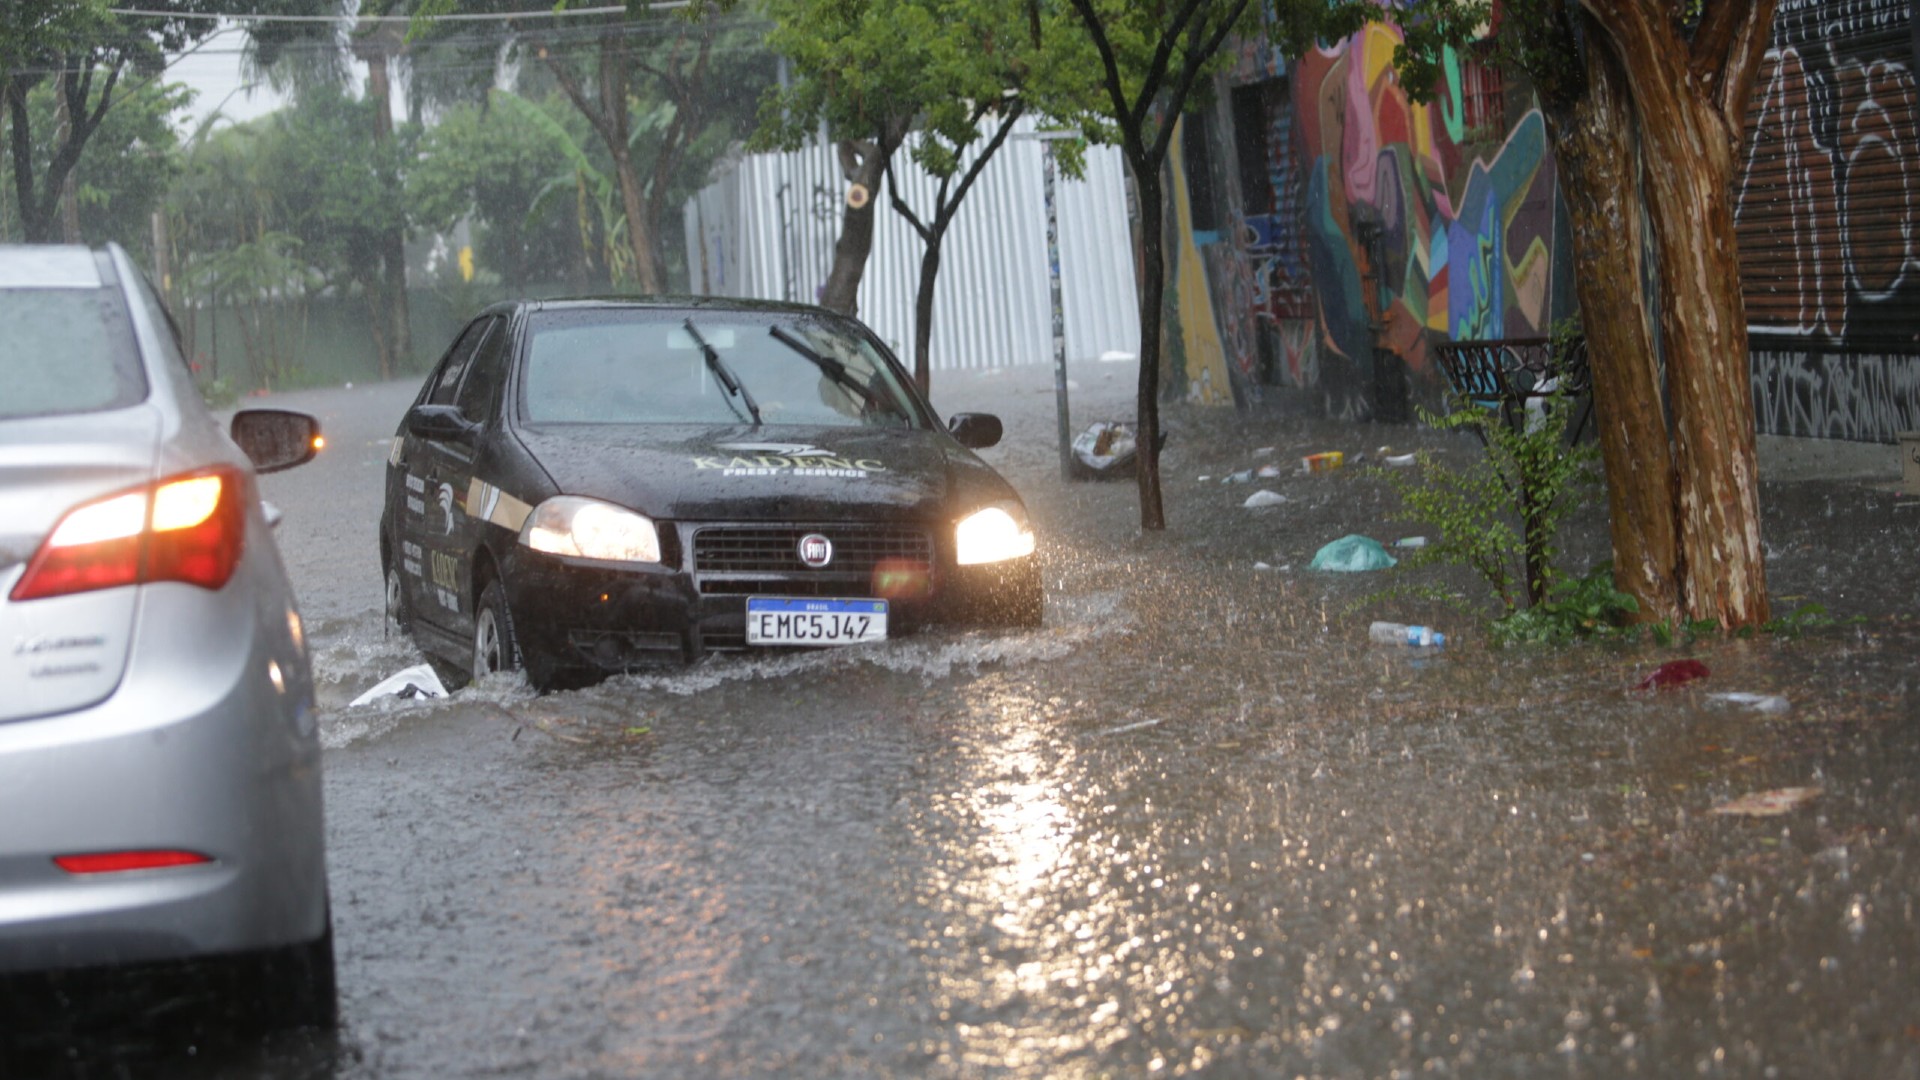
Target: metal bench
[1517,376]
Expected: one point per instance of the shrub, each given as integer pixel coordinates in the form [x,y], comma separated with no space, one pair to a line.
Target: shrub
[1501,515]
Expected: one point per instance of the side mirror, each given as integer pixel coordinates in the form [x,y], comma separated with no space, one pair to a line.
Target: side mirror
[440,422]
[276,439]
[975,430]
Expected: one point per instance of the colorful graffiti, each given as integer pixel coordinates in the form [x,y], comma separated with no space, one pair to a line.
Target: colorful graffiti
[1420,226]
[1828,212]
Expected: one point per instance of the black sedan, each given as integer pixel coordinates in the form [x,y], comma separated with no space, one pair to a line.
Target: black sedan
[588,486]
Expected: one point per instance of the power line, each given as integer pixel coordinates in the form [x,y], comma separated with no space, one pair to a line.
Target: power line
[502,16]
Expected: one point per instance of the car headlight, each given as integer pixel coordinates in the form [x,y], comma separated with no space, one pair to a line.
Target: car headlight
[991,535]
[590,529]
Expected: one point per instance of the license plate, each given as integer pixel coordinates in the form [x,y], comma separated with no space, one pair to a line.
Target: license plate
[779,620]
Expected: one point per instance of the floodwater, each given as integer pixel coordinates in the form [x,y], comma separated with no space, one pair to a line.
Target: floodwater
[1194,824]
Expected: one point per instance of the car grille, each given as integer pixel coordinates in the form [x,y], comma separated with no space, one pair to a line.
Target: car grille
[775,549]
[891,561]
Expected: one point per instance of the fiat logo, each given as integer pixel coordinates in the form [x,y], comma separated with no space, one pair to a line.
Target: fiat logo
[816,550]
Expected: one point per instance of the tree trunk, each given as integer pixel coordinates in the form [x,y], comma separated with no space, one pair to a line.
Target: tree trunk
[1703,321]
[923,314]
[864,164]
[1153,286]
[20,147]
[633,202]
[1594,156]
[382,341]
[617,131]
[1687,172]
[69,195]
[398,344]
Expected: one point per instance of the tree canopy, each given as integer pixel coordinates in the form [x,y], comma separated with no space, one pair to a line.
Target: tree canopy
[86,52]
[944,79]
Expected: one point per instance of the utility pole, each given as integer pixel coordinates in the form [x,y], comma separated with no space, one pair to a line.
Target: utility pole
[162,265]
[1049,174]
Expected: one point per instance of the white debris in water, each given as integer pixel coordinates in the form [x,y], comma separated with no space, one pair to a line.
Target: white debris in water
[1124,728]
[418,681]
[1772,704]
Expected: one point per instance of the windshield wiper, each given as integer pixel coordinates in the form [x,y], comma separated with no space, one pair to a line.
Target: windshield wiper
[725,374]
[834,370]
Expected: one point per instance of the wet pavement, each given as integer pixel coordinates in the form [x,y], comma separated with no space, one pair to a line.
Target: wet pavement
[1194,824]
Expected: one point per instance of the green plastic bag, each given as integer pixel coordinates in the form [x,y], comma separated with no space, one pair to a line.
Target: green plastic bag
[1352,554]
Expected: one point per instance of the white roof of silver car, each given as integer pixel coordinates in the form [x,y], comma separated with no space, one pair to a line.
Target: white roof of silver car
[40,266]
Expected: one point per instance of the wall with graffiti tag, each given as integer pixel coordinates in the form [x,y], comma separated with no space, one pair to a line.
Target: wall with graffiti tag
[1828,211]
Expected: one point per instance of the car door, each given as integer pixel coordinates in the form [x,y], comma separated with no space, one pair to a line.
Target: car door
[434,531]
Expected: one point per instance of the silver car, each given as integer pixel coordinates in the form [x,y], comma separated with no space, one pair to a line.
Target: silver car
[159,759]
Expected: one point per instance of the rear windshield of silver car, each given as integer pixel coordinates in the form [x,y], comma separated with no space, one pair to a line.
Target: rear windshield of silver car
[649,366]
[66,350]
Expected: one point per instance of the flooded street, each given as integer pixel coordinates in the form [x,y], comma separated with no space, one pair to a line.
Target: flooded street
[1194,824]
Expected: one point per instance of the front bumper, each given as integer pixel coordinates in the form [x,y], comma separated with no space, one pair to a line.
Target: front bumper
[197,750]
[575,614]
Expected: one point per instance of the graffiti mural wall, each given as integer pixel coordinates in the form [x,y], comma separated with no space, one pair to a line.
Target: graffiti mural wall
[1827,211]
[1337,230]
[1421,226]
[1366,227]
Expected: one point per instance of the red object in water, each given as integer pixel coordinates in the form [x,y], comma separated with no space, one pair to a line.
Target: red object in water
[1673,673]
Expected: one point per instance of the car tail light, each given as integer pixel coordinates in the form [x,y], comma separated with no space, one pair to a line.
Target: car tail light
[112,862]
[189,528]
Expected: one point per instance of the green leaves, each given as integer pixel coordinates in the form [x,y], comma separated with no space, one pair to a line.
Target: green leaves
[1574,609]
[1500,516]
[868,66]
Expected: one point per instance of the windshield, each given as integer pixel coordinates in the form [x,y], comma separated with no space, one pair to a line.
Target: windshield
[611,366]
[66,351]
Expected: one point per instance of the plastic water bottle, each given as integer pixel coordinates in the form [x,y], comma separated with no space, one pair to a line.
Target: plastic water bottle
[1393,633]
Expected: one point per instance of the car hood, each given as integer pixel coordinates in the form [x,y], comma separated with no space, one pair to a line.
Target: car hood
[701,473]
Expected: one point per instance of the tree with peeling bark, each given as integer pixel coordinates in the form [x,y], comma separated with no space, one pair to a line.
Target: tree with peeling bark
[1645,103]
[946,80]
[1151,59]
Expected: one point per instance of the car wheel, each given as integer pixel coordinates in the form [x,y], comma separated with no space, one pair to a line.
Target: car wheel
[315,988]
[495,647]
[496,644]
[294,987]
[397,611]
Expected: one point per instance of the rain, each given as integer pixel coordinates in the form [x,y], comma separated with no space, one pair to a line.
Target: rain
[1195,823]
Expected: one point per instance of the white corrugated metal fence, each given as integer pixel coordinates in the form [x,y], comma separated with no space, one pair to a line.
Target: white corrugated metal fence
[766,229]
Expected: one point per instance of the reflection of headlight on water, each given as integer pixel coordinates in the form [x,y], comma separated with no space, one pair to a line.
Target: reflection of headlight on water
[900,579]
[989,536]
